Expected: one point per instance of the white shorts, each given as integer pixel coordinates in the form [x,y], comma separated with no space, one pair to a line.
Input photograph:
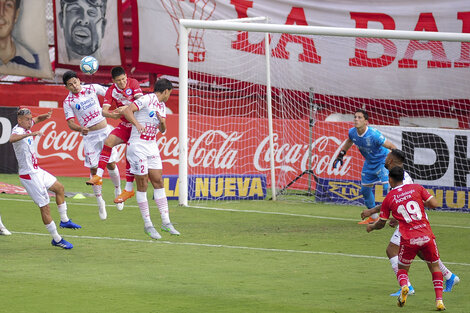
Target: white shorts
[36,184]
[141,161]
[93,143]
[396,237]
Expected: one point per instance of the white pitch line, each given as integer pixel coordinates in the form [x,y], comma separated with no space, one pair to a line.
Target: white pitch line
[228,247]
[253,211]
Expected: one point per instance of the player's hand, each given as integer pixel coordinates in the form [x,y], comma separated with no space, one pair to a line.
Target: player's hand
[84,131]
[48,114]
[393,222]
[140,128]
[366,213]
[37,133]
[339,158]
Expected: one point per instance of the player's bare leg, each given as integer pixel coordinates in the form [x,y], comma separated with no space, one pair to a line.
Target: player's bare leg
[59,191]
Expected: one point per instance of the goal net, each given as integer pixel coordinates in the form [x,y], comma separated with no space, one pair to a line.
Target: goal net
[267,120]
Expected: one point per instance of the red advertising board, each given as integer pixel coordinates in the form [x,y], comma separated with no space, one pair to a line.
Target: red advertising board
[212,149]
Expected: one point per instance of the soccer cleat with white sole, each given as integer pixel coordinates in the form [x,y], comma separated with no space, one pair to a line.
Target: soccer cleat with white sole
[411,292]
[102,210]
[4,232]
[440,305]
[451,282]
[152,232]
[170,229]
[64,244]
[402,297]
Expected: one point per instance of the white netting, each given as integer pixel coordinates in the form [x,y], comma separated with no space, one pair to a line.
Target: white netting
[318,82]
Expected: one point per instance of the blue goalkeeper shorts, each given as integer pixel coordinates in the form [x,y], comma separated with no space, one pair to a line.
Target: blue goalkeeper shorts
[374,174]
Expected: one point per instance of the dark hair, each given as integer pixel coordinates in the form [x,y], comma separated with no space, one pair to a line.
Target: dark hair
[68,75]
[96,3]
[397,173]
[17,4]
[399,155]
[366,116]
[162,84]
[117,71]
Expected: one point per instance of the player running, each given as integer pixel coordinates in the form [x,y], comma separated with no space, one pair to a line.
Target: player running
[121,94]
[406,204]
[82,103]
[37,181]
[373,147]
[397,158]
[148,116]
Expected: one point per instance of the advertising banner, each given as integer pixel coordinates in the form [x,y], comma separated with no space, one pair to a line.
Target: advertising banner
[410,69]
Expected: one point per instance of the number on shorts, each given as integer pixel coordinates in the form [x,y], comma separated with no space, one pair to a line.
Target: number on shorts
[142,169]
[411,212]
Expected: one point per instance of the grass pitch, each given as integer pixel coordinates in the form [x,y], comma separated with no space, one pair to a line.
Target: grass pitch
[250,256]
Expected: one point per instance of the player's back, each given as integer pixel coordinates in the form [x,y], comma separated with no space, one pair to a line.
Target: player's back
[407,207]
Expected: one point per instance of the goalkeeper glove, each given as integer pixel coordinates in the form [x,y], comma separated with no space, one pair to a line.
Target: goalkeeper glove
[339,158]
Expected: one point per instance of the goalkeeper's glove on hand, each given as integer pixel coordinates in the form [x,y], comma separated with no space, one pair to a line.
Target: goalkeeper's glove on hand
[339,158]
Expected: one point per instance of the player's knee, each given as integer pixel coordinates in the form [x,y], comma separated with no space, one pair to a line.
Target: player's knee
[111,166]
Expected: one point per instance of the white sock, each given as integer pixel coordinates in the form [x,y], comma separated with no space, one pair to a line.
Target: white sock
[394,263]
[100,172]
[97,191]
[129,186]
[445,271]
[375,216]
[52,229]
[162,204]
[115,178]
[1,224]
[62,208]
[141,198]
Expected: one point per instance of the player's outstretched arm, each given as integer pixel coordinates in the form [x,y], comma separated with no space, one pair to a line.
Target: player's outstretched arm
[116,114]
[368,212]
[376,226]
[431,203]
[389,145]
[42,117]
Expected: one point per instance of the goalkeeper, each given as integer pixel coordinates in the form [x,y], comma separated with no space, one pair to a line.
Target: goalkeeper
[374,148]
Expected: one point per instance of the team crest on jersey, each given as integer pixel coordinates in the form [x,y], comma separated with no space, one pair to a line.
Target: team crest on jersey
[77,106]
[128,91]
[152,114]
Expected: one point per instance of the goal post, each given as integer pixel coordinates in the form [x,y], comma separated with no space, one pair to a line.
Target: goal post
[216,83]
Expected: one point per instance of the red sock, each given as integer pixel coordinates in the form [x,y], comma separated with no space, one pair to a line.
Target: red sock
[129,175]
[437,278]
[104,157]
[402,276]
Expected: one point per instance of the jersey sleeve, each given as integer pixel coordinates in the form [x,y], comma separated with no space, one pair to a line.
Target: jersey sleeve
[68,112]
[136,90]
[385,209]
[108,97]
[162,110]
[424,193]
[100,90]
[141,102]
[379,138]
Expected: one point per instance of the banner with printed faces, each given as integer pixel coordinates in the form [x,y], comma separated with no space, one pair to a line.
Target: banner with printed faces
[392,69]
[24,49]
[87,28]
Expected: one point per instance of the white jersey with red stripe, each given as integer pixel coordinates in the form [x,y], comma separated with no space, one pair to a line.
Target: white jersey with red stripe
[85,105]
[147,115]
[25,151]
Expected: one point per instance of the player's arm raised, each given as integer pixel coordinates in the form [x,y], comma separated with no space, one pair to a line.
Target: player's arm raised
[389,145]
[42,117]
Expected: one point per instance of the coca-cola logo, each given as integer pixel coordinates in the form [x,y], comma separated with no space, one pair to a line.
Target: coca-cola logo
[222,150]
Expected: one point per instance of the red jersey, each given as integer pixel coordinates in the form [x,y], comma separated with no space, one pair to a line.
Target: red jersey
[406,203]
[116,97]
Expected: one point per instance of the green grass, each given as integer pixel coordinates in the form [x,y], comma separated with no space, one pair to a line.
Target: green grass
[241,258]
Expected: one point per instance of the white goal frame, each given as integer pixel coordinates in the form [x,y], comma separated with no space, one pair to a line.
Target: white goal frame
[232,25]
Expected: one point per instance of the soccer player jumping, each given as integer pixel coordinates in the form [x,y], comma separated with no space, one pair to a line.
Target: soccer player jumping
[406,204]
[374,148]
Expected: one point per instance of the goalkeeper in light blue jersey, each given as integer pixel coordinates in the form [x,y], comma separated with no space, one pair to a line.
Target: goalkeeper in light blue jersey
[374,148]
